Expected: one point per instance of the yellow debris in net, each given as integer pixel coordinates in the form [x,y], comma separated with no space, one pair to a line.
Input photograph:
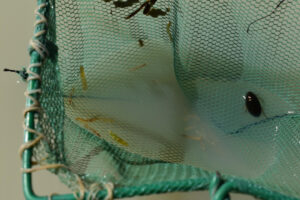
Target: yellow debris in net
[118,139]
[71,96]
[189,128]
[169,31]
[34,162]
[92,130]
[137,67]
[83,78]
[199,138]
[93,119]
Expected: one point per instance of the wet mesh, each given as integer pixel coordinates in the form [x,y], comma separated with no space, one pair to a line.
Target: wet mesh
[162,97]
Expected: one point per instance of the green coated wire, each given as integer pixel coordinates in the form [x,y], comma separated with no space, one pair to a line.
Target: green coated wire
[223,191]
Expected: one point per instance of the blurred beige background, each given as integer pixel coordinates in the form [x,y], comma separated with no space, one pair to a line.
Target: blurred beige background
[16,28]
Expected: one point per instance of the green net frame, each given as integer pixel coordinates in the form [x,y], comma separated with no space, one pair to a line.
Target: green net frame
[210,182]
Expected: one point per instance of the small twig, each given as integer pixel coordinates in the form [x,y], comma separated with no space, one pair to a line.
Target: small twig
[11,70]
[169,31]
[136,11]
[193,137]
[137,67]
[22,73]
[278,5]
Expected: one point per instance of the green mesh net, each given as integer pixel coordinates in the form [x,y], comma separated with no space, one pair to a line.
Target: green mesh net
[161,95]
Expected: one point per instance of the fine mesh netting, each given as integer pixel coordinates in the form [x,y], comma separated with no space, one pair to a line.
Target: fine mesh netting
[145,99]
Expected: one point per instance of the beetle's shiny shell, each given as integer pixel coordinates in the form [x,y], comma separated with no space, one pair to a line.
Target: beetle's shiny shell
[253,105]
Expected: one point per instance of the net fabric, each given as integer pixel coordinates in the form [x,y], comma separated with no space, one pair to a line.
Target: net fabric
[160,98]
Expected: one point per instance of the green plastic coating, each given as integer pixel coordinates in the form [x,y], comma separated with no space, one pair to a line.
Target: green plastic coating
[213,185]
[224,189]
